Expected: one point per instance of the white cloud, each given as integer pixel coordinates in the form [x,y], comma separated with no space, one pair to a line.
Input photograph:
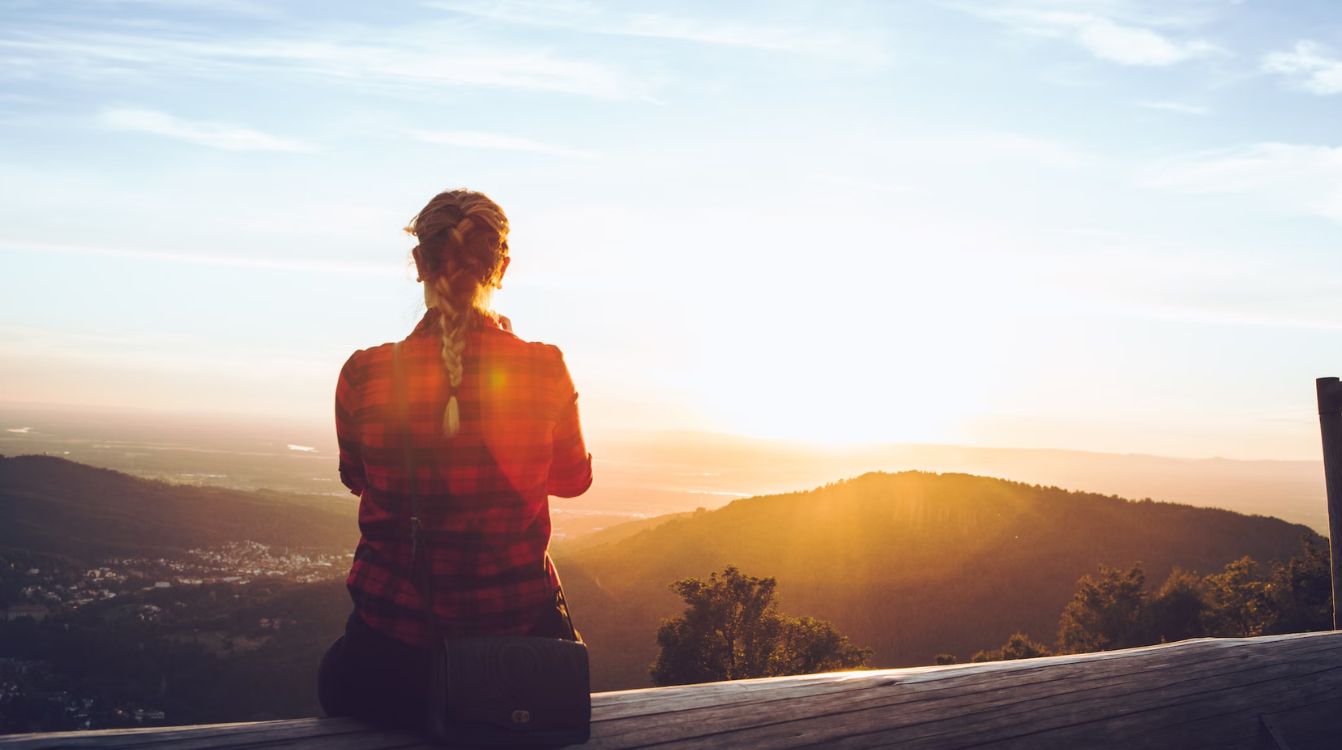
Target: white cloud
[1292,178]
[498,141]
[212,134]
[236,7]
[425,56]
[1180,107]
[586,17]
[319,265]
[1123,42]
[1310,66]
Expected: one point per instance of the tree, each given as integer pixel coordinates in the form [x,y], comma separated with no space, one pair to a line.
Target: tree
[1301,591]
[1020,646]
[732,630]
[808,645]
[1017,646]
[1178,610]
[1105,613]
[1238,603]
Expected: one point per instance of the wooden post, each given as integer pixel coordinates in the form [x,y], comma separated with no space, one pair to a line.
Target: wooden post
[1330,425]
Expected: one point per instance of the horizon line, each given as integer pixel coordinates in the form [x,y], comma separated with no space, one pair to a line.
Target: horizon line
[234,418]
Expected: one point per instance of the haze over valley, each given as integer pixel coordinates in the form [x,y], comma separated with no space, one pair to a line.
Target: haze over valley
[644,474]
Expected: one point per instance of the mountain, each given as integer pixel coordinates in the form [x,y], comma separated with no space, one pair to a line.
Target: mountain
[611,534]
[55,506]
[910,564]
[662,472]
[646,472]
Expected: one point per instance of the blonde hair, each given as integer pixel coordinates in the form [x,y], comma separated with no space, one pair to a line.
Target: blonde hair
[462,251]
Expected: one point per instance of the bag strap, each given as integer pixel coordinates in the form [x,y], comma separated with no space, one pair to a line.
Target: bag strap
[560,602]
[420,574]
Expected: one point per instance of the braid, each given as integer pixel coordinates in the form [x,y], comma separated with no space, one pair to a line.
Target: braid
[452,323]
[461,254]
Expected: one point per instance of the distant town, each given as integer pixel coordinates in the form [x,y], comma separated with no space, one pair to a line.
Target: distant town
[35,588]
[56,587]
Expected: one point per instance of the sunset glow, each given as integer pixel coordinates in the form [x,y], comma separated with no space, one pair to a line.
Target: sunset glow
[1099,225]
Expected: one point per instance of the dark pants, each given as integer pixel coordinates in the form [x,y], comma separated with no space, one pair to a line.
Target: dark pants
[375,677]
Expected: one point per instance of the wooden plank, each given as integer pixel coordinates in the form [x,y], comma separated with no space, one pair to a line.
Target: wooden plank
[259,731]
[1186,691]
[370,740]
[1205,723]
[646,701]
[1066,676]
[895,718]
[1309,726]
[656,700]
[1109,703]
[365,740]
[1301,721]
[649,710]
[146,736]
[17,740]
[207,735]
[1154,706]
[710,694]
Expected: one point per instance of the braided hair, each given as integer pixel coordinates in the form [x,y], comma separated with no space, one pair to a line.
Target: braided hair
[462,251]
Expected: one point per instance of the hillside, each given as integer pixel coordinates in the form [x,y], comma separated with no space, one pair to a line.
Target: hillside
[911,564]
[611,534]
[669,471]
[55,506]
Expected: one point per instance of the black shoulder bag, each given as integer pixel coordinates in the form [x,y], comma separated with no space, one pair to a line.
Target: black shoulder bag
[496,690]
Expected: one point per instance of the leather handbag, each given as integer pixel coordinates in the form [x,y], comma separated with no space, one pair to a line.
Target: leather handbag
[496,690]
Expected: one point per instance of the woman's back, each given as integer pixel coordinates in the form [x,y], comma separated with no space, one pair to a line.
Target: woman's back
[491,428]
[482,492]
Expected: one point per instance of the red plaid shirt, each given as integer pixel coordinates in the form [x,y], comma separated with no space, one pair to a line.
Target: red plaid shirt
[483,493]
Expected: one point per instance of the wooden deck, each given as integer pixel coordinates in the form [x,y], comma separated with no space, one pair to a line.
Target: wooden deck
[1269,693]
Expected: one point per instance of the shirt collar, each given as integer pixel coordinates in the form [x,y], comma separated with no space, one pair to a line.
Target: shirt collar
[429,323]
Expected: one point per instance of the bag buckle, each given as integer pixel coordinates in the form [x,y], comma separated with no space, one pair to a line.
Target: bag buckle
[416,532]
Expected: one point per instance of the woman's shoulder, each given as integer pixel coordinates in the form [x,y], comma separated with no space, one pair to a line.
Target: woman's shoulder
[507,339]
[362,364]
[363,356]
[538,357]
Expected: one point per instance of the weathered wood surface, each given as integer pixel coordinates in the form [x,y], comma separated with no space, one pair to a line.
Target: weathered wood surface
[1269,693]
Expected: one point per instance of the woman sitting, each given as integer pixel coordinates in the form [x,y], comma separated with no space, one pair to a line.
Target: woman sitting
[491,430]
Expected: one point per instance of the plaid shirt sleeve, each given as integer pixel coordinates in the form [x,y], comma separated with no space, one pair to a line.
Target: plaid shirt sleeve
[347,428]
[571,464]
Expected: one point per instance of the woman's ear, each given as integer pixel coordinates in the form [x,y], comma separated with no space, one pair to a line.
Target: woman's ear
[498,283]
[419,265]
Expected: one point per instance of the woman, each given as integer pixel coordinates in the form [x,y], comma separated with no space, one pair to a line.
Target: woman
[492,428]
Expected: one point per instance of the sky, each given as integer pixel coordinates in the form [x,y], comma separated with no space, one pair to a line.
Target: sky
[1104,224]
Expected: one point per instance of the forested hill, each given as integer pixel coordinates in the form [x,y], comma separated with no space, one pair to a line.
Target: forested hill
[55,506]
[910,564]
